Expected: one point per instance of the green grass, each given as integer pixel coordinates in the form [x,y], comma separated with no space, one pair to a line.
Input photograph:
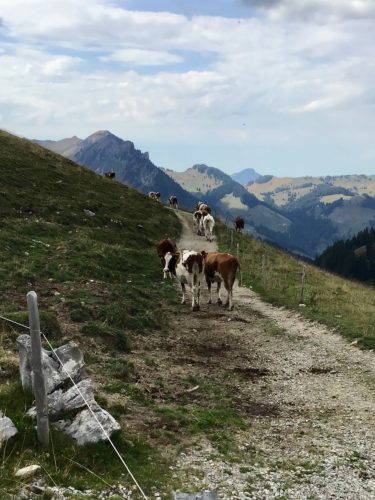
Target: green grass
[97,279]
[347,306]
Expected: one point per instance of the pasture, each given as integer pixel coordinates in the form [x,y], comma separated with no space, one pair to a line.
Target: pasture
[348,307]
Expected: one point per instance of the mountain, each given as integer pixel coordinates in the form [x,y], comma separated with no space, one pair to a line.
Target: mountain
[103,151]
[64,147]
[336,206]
[353,258]
[246,176]
[228,198]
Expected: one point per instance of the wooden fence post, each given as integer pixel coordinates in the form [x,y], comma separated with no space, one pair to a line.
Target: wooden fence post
[231,238]
[263,268]
[302,297]
[36,362]
[238,257]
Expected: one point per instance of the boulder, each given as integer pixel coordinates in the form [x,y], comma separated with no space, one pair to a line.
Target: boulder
[27,471]
[7,428]
[85,429]
[60,401]
[54,375]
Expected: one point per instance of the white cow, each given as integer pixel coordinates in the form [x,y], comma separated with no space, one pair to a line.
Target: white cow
[208,226]
[188,266]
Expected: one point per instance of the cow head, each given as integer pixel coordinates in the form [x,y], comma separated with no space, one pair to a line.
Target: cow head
[170,262]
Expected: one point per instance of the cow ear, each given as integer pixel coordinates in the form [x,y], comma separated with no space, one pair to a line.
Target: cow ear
[204,254]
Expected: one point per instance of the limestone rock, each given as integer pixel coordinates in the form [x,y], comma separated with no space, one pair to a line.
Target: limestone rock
[85,429]
[68,400]
[27,471]
[7,428]
[71,358]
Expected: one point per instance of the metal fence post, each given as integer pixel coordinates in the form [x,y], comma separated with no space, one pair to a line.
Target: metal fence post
[36,362]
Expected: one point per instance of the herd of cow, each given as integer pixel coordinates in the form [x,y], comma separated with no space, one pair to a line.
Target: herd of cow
[189,266]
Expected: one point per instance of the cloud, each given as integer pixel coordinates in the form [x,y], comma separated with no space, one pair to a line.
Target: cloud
[315,10]
[65,70]
[142,57]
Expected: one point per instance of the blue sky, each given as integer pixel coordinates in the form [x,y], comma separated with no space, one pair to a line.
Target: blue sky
[283,86]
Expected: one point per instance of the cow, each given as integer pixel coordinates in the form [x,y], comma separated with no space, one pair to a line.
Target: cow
[173,202]
[188,267]
[154,195]
[197,219]
[163,247]
[208,226]
[203,206]
[110,175]
[220,267]
[239,224]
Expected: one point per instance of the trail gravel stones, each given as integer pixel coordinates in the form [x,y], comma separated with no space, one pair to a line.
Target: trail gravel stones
[307,395]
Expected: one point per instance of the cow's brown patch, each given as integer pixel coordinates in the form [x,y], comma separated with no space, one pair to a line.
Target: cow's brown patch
[194,259]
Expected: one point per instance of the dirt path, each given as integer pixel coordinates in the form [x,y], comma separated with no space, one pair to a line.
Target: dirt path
[307,397]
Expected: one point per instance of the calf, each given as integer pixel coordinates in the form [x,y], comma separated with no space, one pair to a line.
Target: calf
[197,219]
[163,247]
[173,202]
[239,224]
[110,175]
[220,267]
[188,268]
[208,226]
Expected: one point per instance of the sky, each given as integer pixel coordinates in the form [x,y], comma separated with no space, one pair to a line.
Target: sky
[286,87]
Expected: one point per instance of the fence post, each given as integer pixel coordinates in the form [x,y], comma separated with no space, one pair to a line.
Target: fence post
[238,257]
[264,268]
[301,297]
[36,362]
[231,238]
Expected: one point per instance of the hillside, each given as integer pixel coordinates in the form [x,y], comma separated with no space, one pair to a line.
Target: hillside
[352,258]
[99,283]
[285,191]
[103,151]
[202,398]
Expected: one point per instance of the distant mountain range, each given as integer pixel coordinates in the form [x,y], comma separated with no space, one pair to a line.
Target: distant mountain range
[303,215]
[246,176]
[103,151]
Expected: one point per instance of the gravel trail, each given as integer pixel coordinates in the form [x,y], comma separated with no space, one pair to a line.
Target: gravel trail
[308,394]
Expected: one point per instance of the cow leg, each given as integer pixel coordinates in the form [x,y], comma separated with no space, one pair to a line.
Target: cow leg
[209,284]
[229,287]
[195,293]
[219,301]
[183,289]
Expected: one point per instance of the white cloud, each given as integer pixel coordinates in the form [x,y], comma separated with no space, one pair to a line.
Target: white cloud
[64,71]
[141,57]
[316,10]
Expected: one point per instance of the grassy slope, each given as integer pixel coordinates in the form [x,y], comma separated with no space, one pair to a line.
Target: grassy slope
[98,280]
[346,306]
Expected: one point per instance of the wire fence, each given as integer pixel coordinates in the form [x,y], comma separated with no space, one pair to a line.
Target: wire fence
[86,403]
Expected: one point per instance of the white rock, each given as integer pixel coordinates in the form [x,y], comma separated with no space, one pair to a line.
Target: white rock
[7,428]
[85,429]
[27,471]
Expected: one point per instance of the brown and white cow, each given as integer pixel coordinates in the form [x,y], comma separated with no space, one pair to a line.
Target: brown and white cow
[188,267]
[219,267]
[208,223]
[110,175]
[154,195]
[173,202]
[163,247]
[239,224]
